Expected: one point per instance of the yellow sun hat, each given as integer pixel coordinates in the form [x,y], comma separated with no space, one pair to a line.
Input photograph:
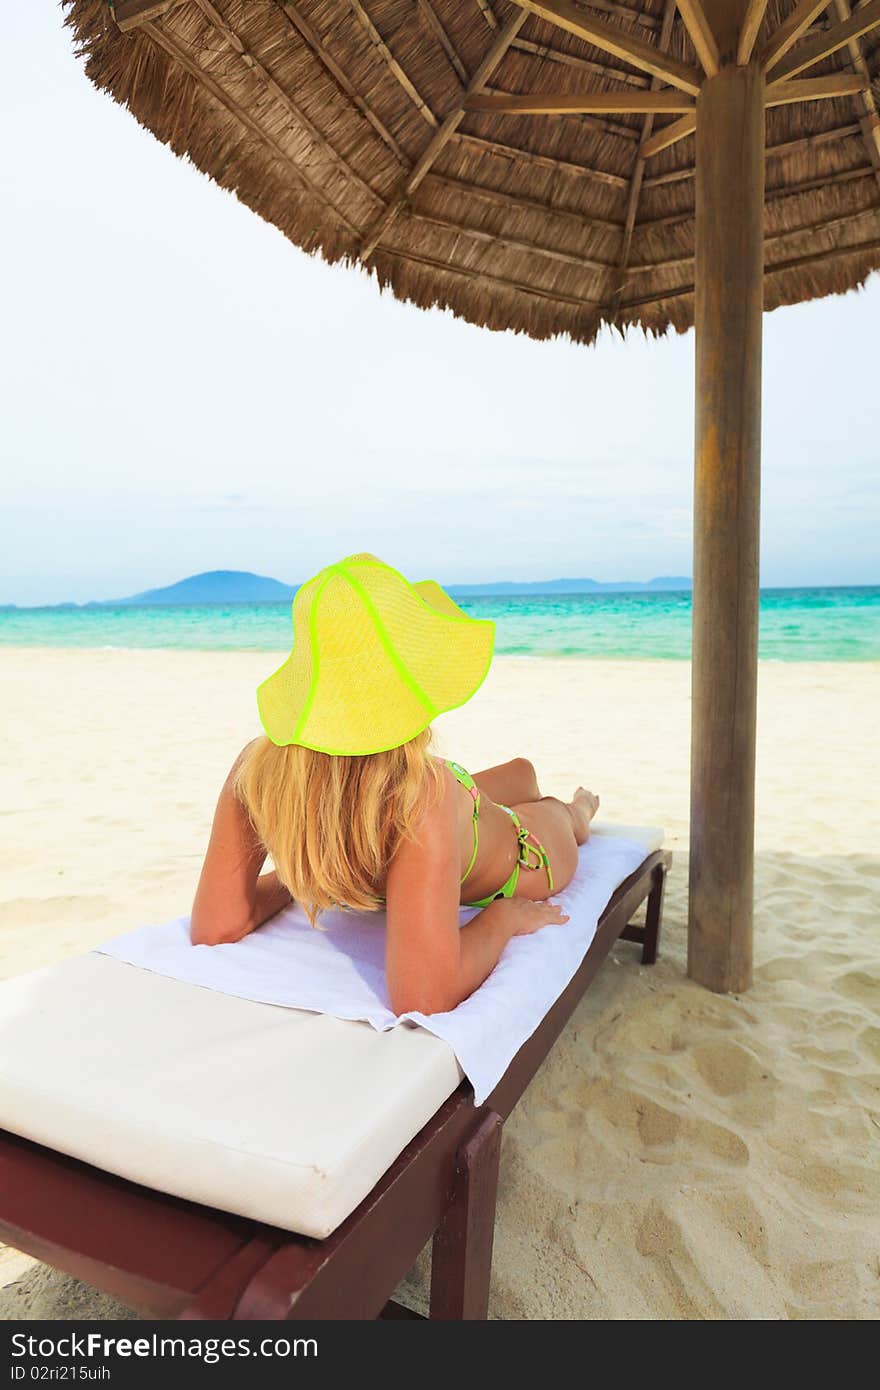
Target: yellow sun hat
[374,660]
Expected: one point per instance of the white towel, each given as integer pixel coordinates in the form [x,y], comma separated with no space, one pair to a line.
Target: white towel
[340,970]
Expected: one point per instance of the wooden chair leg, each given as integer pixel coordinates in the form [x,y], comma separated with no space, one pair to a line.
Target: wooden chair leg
[461,1260]
[654,916]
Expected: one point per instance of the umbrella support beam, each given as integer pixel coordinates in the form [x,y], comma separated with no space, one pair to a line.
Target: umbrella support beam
[728,311]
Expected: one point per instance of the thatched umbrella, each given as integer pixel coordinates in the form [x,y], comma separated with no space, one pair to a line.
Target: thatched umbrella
[550,166]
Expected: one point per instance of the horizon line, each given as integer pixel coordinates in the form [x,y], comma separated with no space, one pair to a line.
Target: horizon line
[639,585]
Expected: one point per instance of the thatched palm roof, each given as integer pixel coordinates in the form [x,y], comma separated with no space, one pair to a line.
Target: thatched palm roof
[342,122]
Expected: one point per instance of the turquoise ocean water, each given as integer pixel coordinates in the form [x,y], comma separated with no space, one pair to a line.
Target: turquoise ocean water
[835,624]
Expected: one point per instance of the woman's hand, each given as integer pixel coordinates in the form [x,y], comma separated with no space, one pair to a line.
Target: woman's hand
[528,917]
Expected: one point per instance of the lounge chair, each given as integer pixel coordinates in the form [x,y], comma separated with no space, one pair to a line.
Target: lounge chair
[306,1186]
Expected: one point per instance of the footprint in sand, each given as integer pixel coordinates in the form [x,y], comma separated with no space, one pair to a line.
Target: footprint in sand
[727,1068]
[659,1128]
[859,985]
[835,1060]
[806,968]
[839,1185]
[823,1289]
[662,1239]
[736,1212]
[663,1134]
[869,1041]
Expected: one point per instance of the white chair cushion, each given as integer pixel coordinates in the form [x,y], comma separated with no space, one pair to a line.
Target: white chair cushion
[277,1114]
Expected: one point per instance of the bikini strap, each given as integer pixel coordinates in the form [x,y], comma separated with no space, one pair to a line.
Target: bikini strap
[465,780]
[462,776]
[527,849]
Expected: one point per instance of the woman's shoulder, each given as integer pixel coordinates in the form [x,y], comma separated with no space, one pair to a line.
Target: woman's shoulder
[438,812]
[457,773]
[240,760]
[434,837]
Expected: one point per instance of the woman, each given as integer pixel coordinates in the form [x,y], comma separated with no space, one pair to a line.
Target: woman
[346,796]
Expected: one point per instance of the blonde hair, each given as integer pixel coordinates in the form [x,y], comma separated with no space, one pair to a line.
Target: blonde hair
[332,823]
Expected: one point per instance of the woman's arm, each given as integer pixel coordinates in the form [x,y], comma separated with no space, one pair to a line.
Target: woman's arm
[233,898]
[431,964]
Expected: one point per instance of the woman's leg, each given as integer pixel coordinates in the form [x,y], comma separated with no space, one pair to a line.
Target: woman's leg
[509,783]
[560,826]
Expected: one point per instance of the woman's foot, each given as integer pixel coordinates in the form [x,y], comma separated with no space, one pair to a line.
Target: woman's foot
[582,808]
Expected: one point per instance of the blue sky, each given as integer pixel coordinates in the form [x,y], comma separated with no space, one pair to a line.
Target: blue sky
[181,389]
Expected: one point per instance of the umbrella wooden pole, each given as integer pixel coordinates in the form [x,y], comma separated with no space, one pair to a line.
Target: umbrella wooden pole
[729,302]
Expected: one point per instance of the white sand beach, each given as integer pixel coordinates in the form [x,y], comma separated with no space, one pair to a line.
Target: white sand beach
[680,1154]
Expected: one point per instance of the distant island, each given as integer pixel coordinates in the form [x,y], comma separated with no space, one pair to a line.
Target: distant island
[239,586]
[214,586]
